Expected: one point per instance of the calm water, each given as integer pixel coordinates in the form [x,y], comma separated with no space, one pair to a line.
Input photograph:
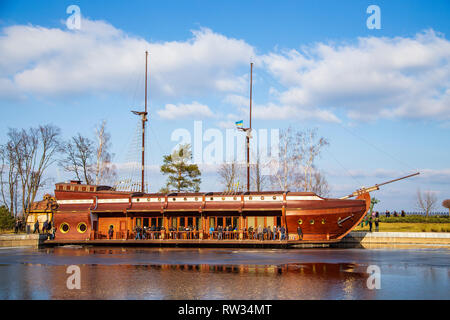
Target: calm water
[154,273]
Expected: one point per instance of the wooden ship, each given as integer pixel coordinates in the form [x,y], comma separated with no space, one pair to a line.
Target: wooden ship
[88,212]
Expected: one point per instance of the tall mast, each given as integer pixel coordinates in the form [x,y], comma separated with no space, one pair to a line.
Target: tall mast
[249,132]
[144,120]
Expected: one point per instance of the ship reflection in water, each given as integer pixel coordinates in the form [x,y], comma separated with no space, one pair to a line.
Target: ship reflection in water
[153,273]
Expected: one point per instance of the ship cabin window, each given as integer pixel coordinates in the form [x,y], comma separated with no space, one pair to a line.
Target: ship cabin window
[76,188]
[138,222]
[182,222]
[153,222]
[91,189]
[227,221]
[67,188]
[236,222]
[212,222]
[60,188]
[83,188]
[199,223]
[160,222]
[219,221]
[190,221]
[82,227]
[145,224]
[278,221]
[64,227]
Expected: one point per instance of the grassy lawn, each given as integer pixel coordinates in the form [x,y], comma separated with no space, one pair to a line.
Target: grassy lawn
[408,227]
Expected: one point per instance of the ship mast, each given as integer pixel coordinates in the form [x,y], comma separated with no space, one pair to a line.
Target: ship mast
[144,120]
[248,130]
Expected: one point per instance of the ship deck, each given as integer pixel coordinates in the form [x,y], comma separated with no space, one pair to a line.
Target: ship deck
[195,243]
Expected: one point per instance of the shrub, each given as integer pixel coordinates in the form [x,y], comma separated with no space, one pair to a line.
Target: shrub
[6,219]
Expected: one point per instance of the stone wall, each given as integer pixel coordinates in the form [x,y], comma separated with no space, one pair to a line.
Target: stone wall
[21,240]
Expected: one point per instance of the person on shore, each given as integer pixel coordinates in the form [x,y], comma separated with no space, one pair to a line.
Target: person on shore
[403,214]
[16,226]
[36,227]
[370,223]
[45,227]
[377,221]
[110,232]
[395,214]
[299,233]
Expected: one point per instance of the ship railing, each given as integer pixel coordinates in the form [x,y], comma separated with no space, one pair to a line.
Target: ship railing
[255,235]
[184,235]
[223,235]
[147,235]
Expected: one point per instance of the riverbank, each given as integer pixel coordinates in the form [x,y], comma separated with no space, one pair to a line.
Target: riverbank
[22,240]
[364,237]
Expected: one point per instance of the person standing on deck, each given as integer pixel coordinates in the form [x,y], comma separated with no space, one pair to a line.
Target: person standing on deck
[275,231]
[110,232]
[283,233]
[299,233]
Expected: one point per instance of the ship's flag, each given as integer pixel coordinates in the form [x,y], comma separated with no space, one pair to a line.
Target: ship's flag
[239,123]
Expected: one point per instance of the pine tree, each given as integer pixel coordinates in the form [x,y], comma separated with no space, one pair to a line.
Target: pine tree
[183,176]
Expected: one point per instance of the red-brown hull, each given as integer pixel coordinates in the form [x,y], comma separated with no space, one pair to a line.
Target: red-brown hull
[319,219]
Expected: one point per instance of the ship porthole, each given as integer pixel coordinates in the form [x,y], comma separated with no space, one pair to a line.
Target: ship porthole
[82,227]
[64,227]
[262,197]
[300,221]
[185,199]
[311,221]
[323,221]
[274,198]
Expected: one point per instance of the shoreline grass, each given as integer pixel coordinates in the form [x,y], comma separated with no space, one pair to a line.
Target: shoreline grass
[407,227]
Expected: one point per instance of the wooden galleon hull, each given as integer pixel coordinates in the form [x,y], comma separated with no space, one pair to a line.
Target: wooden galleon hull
[330,219]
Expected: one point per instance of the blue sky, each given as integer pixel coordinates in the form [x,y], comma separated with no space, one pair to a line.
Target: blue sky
[381,97]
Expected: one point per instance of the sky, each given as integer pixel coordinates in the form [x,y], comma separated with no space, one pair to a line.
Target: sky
[380,96]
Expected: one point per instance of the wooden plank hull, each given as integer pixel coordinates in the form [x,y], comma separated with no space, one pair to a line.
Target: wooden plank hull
[89,215]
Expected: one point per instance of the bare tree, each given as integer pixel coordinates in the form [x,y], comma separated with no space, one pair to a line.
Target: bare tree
[284,168]
[104,170]
[79,154]
[230,174]
[28,154]
[426,201]
[310,148]
[9,185]
[260,180]
[295,170]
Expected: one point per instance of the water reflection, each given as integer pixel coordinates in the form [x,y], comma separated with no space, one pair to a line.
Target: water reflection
[125,273]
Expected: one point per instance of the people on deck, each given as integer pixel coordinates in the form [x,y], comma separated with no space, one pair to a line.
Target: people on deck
[282,233]
[110,232]
[299,233]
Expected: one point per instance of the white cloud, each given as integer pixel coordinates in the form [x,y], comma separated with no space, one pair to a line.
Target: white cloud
[374,78]
[101,58]
[181,111]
